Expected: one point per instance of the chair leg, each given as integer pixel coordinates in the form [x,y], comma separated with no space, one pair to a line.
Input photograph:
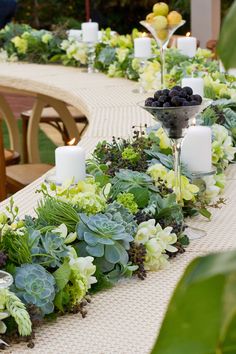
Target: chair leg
[11,124]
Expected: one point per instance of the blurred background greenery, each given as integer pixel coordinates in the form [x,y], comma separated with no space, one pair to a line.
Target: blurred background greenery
[120,15]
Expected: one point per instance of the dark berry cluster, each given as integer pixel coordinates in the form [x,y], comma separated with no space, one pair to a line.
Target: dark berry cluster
[175,97]
[137,255]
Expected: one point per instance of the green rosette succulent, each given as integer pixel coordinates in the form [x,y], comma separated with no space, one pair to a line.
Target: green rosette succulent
[104,238]
[118,213]
[50,250]
[34,285]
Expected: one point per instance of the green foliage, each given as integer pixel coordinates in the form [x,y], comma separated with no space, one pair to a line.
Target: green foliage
[49,249]
[53,212]
[104,238]
[137,183]
[18,311]
[34,285]
[205,297]
[226,50]
[16,247]
[122,215]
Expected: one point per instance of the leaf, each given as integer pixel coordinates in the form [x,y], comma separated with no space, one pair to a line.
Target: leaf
[62,275]
[112,254]
[226,47]
[96,251]
[201,317]
[62,298]
[206,213]
[141,196]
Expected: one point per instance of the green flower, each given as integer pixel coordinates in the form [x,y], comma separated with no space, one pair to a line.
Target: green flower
[130,154]
[127,200]
[47,37]
[34,285]
[21,44]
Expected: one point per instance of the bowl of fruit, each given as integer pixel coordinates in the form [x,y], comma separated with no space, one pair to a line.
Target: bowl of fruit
[162,22]
[175,109]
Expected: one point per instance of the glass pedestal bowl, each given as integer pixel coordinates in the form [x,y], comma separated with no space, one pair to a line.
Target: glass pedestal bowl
[176,121]
[162,43]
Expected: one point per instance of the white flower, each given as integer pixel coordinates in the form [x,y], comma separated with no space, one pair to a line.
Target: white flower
[155,259]
[62,231]
[146,230]
[85,267]
[167,238]
[3,56]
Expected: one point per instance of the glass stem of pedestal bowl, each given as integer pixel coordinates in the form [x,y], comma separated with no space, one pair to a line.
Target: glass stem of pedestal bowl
[163,63]
[176,146]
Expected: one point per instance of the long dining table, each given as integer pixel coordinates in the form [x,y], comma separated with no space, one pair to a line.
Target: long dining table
[125,319]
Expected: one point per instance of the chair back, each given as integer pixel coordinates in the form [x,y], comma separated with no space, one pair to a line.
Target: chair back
[3,192]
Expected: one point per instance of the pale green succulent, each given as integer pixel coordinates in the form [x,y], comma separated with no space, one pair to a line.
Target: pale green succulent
[104,238]
[118,213]
[49,250]
[34,285]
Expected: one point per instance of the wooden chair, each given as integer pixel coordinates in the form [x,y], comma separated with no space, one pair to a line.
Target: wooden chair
[15,177]
[51,117]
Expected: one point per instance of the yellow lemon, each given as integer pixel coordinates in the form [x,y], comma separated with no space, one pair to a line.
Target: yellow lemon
[162,34]
[159,23]
[174,18]
[150,17]
[160,9]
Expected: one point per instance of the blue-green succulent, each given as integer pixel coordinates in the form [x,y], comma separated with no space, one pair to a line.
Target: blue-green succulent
[49,250]
[34,285]
[118,213]
[104,238]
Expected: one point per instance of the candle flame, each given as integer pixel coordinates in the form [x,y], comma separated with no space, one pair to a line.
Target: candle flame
[188,34]
[71,142]
[144,34]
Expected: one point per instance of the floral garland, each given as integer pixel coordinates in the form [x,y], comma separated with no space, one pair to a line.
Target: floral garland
[115,57]
[120,221]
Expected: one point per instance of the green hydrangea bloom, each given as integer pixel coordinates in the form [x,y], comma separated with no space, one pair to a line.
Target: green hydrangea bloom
[130,154]
[127,200]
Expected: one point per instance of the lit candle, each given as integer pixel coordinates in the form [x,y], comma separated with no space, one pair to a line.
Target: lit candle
[187,45]
[70,163]
[90,32]
[196,149]
[75,34]
[196,84]
[142,47]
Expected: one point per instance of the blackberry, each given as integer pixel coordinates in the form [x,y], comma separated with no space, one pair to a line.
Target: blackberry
[188,90]
[156,104]
[173,93]
[149,101]
[165,92]
[157,94]
[166,104]
[197,98]
[177,88]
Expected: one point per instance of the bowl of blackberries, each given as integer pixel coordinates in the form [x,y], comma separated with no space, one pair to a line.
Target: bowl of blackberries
[175,109]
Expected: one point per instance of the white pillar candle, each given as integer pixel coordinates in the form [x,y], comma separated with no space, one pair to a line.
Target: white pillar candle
[70,163]
[196,149]
[75,34]
[142,47]
[90,32]
[187,46]
[196,84]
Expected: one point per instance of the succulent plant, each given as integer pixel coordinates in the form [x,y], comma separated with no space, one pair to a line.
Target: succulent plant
[34,285]
[118,213]
[47,249]
[104,238]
